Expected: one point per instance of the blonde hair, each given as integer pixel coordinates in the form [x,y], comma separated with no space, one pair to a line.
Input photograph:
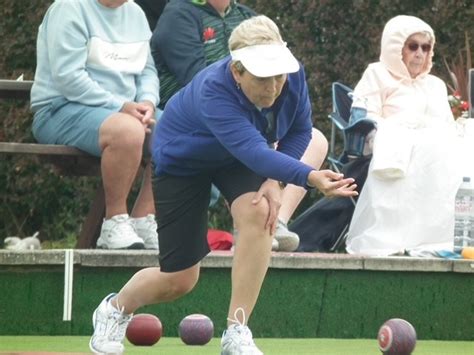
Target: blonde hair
[253,31]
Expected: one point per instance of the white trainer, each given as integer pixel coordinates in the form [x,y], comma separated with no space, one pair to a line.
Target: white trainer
[146,229]
[237,339]
[275,245]
[110,326]
[118,233]
[287,240]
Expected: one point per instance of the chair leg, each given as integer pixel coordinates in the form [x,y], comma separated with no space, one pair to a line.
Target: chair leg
[341,239]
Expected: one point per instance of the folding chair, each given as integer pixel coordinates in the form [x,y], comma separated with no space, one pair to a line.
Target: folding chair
[353,124]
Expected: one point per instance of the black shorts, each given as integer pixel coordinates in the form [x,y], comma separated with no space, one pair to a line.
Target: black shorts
[182,211]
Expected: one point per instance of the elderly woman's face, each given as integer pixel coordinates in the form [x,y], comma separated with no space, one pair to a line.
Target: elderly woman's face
[262,92]
[415,53]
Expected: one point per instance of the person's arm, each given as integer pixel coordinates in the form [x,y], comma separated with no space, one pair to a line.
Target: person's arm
[147,83]
[67,39]
[369,92]
[239,136]
[231,126]
[226,120]
[177,42]
[296,140]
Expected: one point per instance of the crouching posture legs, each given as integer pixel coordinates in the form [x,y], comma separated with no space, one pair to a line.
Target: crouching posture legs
[182,210]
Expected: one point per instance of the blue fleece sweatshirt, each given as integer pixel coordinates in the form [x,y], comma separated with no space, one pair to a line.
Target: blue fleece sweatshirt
[94,55]
[210,124]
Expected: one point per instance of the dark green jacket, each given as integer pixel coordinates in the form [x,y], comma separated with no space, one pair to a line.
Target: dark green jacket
[189,36]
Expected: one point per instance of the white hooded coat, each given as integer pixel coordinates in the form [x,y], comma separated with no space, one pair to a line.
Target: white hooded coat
[407,202]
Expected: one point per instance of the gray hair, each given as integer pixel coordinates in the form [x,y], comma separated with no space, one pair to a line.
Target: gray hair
[425,33]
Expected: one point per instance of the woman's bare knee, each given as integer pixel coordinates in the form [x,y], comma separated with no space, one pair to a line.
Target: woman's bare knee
[122,131]
[245,213]
[317,150]
[182,282]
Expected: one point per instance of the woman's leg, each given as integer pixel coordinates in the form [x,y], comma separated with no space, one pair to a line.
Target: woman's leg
[151,286]
[144,204]
[314,156]
[143,213]
[121,138]
[148,286]
[251,253]
[182,209]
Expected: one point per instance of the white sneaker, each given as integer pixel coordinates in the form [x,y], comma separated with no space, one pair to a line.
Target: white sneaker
[237,339]
[118,233]
[146,229]
[275,244]
[287,240]
[110,326]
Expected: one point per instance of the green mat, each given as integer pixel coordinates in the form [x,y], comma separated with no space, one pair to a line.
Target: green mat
[172,346]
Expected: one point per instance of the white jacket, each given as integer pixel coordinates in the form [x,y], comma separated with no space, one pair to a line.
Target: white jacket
[407,202]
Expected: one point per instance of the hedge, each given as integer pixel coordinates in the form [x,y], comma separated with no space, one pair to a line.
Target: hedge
[334,39]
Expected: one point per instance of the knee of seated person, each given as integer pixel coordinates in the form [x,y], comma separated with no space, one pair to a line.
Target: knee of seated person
[317,150]
[319,140]
[126,131]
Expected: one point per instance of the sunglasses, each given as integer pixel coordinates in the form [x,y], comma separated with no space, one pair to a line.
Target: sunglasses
[413,46]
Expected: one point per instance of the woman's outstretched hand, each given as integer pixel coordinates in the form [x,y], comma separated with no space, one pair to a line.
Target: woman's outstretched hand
[332,184]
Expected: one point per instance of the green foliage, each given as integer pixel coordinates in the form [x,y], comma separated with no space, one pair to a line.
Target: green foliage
[35,198]
[19,21]
[334,39]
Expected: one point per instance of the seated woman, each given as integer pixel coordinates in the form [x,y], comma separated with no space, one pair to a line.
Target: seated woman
[407,203]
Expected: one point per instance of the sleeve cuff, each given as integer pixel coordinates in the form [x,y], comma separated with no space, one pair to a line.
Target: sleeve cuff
[152,98]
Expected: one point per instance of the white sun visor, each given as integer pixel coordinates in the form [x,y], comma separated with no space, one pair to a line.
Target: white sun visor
[266,60]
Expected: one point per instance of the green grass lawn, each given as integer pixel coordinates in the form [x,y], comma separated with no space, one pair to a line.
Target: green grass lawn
[172,346]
